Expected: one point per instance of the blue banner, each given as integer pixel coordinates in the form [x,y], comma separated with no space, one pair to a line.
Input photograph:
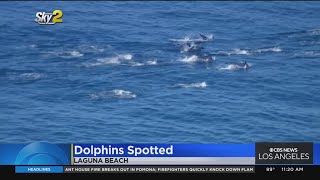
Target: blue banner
[47,154]
[164,150]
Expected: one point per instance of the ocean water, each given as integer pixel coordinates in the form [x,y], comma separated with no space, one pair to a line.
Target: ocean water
[122,72]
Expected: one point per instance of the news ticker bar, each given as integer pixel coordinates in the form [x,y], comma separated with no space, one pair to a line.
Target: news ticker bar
[223,169]
[135,169]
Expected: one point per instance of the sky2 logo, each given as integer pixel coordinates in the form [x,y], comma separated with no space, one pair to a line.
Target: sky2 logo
[49,18]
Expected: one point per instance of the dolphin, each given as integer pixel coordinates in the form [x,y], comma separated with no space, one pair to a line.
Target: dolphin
[245,65]
[202,39]
[237,66]
[205,38]
[206,57]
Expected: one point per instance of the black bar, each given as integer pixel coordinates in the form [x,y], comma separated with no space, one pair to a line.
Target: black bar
[159,169]
[162,0]
[260,170]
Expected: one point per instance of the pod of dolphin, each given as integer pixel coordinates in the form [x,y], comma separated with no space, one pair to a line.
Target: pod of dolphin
[193,48]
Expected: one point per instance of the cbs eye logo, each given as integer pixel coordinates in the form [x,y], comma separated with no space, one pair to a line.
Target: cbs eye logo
[49,18]
[41,153]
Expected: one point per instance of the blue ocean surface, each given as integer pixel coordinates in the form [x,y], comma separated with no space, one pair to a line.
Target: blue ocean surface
[140,72]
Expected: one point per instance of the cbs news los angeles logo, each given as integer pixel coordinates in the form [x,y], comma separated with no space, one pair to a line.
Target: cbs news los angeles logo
[49,18]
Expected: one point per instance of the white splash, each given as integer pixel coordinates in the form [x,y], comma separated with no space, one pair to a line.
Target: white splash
[240,52]
[116,93]
[70,54]
[137,64]
[119,59]
[113,60]
[125,57]
[234,67]
[315,32]
[231,67]
[236,51]
[195,59]
[194,85]
[273,49]
[152,62]
[31,76]
[123,94]
[312,53]
[190,59]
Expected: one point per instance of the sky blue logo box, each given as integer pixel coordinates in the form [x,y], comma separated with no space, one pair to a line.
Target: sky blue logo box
[38,153]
